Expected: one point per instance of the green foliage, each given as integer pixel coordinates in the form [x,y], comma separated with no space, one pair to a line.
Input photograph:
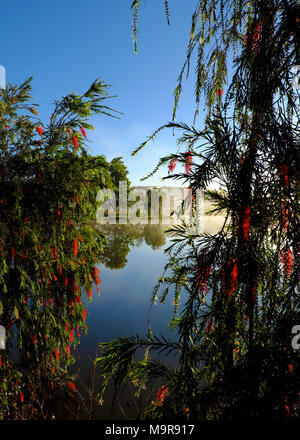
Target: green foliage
[49,183]
[236,292]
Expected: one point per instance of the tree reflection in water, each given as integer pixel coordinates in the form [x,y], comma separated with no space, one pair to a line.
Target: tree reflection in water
[121,237]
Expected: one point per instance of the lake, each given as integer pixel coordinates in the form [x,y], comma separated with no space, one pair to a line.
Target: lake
[132,261]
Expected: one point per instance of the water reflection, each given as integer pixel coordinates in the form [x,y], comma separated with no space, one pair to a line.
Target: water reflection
[121,238]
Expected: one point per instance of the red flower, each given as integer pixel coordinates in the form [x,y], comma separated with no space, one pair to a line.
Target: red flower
[78,299]
[66,281]
[71,335]
[75,142]
[83,131]
[287,261]
[75,246]
[56,353]
[188,162]
[89,293]
[54,252]
[172,164]
[161,395]
[72,386]
[96,276]
[26,299]
[219,92]
[84,314]
[290,368]
[76,199]
[68,351]
[21,397]
[39,130]
[0,362]
[70,131]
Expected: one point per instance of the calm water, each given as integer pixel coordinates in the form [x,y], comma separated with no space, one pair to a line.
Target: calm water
[133,260]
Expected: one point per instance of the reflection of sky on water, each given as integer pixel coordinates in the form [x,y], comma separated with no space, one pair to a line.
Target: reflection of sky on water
[123,305]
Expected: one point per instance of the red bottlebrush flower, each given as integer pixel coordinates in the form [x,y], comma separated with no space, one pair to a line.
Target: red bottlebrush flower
[287,261]
[78,299]
[72,386]
[68,351]
[54,277]
[76,198]
[80,238]
[21,397]
[246,220]
[83,131]
[72,304]
[256,37]
[71,335]
[54,252]
[56,354]
[70,131]
[26,219]
[172,164]
[0,362]
[51,302]
[26,299]
[39,247]
[96,275]
[84,313]
[234,278]
[75,247]
[34,339]
[66,281]
[188,162]
[89,293]
[229,277]
[13,253]
[75,286]
[98,290]
[219,92]
[53,370]
[67,326]
[290,368]
[161,395]
[60,269]
[75,142]
[39,130]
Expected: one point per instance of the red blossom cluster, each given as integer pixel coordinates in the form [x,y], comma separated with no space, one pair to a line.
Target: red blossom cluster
[243,223]
[188,162]
[254,37]
[161,395]
[172,165]
[229,277]
[287,261]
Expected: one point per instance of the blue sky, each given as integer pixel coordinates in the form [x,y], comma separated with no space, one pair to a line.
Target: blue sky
[65,45]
